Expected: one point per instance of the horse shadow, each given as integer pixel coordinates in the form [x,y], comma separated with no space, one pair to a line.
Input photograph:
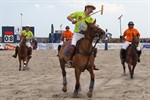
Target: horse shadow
[67,95]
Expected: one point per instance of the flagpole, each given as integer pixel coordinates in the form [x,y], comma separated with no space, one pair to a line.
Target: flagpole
[21,19]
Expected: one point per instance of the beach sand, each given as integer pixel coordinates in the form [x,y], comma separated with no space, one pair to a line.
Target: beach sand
[43,79]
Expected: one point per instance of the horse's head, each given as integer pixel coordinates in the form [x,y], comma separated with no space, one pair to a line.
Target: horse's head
[23,40]
[135,40]
[93,31]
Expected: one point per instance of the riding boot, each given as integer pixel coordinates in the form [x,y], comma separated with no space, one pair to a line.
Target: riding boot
[123,56]
[29,52]
[59,47]
[16,52]
[71,51]
[139,54]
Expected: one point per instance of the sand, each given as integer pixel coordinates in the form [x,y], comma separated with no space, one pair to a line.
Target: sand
[43,79]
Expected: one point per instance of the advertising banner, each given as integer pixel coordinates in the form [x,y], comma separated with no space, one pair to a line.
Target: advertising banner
[146,46]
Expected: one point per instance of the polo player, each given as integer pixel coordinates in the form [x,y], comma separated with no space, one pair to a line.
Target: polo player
[29,36]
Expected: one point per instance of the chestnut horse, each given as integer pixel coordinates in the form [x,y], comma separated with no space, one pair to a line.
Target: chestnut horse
[23,53]
[83,58]
[131,56]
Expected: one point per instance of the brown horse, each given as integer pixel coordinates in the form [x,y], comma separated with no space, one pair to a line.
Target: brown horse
[131,56]
[23,53]
[83,58]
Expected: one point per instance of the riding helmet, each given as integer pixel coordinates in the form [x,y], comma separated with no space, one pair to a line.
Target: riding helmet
[131,23]
[67,27]
[90,5]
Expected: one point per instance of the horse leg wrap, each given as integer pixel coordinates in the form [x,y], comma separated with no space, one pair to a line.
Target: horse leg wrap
[77,89]
[64,80]
[91,86]
[24,64]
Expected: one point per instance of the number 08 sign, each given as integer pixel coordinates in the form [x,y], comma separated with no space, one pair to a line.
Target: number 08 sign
[8,34]
[8,38]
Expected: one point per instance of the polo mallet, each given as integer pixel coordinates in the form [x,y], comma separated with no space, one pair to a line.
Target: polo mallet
[102,8]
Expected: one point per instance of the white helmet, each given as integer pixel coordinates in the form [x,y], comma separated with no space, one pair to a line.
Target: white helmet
[90,5]
[28,25]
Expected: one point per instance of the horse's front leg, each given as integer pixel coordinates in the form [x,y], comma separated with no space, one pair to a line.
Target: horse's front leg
[129,66]
[77,86]
[91,86]
[62,65]
[133,68]
[19,64]
[124,68]
[24,65]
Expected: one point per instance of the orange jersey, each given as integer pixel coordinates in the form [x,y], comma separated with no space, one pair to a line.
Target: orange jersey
[67,34]
[129,34]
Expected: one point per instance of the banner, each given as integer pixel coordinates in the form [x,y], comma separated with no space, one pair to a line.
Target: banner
[42,46]
[9,46]
[146,46]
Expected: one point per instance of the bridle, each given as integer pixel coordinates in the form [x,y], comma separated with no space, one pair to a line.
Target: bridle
[90,39]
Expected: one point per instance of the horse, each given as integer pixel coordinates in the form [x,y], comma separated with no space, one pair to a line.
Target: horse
[23,53]
[83,58]
[131,56]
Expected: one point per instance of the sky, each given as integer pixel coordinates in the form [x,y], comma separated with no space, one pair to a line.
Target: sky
[42,13]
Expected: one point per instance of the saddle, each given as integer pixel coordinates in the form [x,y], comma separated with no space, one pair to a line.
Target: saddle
[76,50]
[67,49]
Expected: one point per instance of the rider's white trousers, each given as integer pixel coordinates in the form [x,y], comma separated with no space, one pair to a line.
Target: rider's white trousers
[28,44]
[76,37]
[126,44]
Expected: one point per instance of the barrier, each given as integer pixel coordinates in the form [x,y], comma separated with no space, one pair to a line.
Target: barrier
[47,46]
[146,46]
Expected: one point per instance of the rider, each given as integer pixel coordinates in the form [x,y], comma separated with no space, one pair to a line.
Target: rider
[129,35]
[66,35]
[29,36]
[78,18]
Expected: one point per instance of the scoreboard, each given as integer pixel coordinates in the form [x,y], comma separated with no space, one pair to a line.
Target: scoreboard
[8,34]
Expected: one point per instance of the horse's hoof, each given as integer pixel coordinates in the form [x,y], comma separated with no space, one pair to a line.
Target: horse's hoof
[64,89]
[89,94]
[19,69]
[131,77]
[75,95]
[24,69]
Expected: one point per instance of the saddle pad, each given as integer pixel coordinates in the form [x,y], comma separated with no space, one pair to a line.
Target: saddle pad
[67,53]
